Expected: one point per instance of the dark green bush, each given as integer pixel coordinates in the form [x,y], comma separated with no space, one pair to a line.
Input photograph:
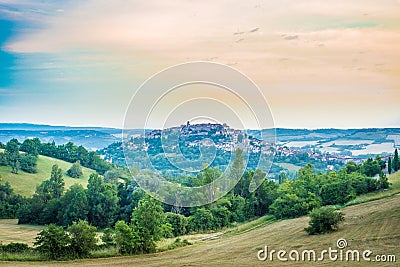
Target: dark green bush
[324,220]
[14,248]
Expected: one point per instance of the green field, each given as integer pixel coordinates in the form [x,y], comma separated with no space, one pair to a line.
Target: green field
[289,166]
[25,183]
[373,225]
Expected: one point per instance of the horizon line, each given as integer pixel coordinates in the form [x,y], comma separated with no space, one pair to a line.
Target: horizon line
[118,128]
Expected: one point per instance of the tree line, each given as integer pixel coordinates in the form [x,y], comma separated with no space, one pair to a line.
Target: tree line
[34,147]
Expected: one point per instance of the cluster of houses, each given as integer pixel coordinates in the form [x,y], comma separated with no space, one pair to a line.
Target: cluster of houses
[227,139]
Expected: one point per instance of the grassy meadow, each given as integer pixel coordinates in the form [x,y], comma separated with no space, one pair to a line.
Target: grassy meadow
[25,183]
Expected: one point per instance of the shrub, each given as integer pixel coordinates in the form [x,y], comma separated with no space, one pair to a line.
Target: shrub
[179,223]
[179,243]
[14,248]
[83,238]
[53,242]
[324,220]
[287,206]
[337,193]
[75,171]
[108,237]
[125,238]
[201,220]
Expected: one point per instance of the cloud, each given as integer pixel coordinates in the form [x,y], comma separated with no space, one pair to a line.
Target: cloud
[157,26]
[333,43]
[291,37]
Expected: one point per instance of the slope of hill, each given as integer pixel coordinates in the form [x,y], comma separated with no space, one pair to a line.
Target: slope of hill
[373,225]
[25,183]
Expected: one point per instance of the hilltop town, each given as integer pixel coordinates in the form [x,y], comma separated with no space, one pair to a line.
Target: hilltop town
[327,150]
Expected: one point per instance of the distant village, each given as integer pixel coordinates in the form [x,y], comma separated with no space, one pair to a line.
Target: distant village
[227,139]
[224,137]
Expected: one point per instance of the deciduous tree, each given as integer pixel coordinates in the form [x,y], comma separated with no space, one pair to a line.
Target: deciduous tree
[103,202]
[147,222]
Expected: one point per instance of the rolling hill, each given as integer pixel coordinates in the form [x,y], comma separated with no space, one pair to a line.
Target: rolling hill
[25,183]
[373,225]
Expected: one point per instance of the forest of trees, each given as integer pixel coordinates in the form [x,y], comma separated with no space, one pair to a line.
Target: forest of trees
[134,221]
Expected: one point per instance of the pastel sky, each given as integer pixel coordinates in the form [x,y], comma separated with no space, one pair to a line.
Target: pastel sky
[319,63]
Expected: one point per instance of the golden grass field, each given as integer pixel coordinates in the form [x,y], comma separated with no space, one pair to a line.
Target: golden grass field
[373,225]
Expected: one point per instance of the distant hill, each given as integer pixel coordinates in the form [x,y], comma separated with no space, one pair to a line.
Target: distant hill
[93,138]
[25,183]
[45,127]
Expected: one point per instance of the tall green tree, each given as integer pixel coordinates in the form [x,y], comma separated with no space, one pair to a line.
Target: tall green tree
[74,205]
[31,146]
[103,202]
[12,154]
[148,222]
[57,182]
[265,195]
[10,202]
[242,187]
[396,162]
[390,165]
[206,179]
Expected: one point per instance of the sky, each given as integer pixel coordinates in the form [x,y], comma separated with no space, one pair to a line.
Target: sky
[318,63]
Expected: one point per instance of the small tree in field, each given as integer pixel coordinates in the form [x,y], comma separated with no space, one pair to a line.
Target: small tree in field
[53,242]
[76,170]
[324,220]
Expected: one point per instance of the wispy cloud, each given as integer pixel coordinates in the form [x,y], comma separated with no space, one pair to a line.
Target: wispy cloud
[330,48]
